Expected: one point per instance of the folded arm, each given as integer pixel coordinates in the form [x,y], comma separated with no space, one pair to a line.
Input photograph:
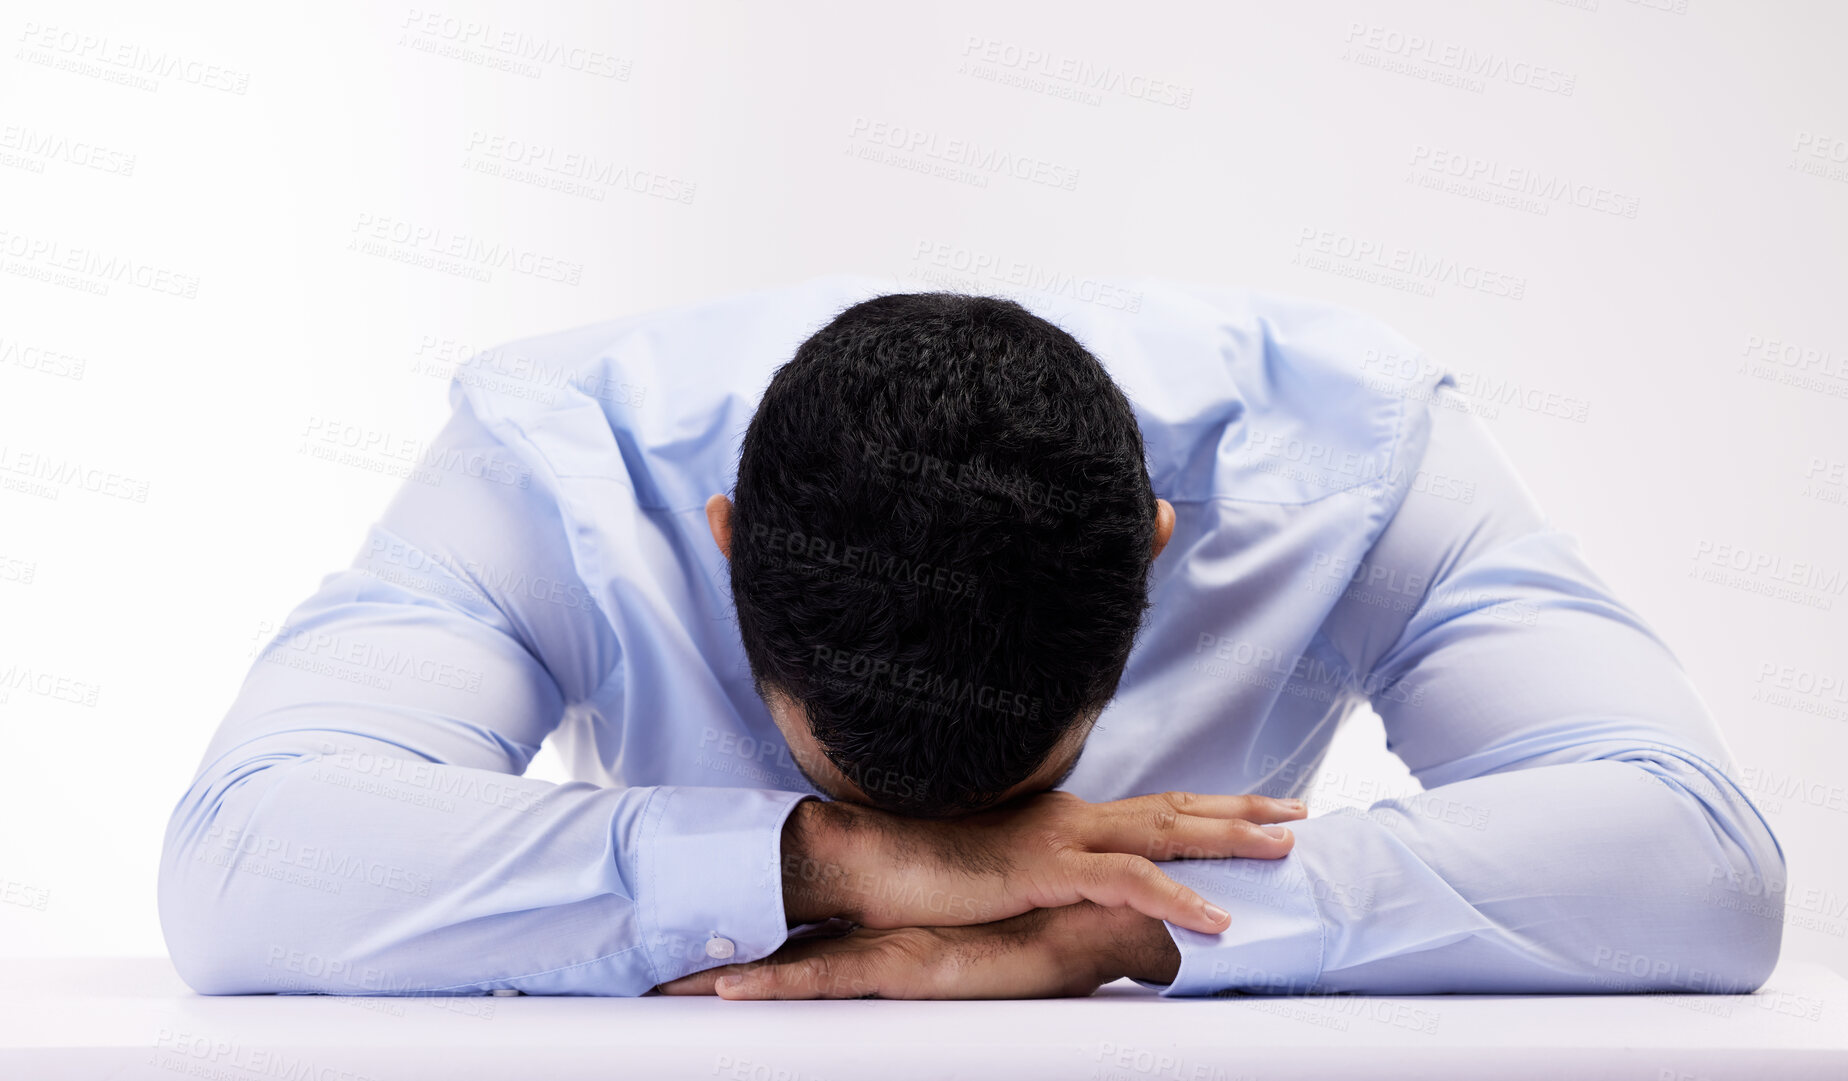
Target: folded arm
[358,825]
[1579,831]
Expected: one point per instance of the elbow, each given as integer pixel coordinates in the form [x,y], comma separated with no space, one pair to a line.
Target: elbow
[1743,892]
[206,920]
[1733,895]
[1717,929]
[199,928]
[1709,881]
[206,967]
[215,914]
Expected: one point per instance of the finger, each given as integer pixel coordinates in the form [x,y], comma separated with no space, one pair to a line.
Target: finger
[1008,959]
[697,983]
[701,983]
[1162,834]
[829,969]
[1251,808]
[1120,880]
[705,981]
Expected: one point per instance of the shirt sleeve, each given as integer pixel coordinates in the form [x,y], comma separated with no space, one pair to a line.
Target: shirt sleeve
[1579,830]
[358,824]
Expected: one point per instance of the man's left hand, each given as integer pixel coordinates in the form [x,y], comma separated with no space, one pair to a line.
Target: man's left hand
[1062,952]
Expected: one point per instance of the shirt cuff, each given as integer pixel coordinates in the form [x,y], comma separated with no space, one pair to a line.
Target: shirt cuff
[710,881]
[1275,941]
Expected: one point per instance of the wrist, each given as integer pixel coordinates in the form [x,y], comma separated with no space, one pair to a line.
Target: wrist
[1137,946]
[816,872]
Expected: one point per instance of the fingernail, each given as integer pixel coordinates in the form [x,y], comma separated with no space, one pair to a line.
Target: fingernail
[729,983]
[1276,831]
[1296,804]
[1215,913]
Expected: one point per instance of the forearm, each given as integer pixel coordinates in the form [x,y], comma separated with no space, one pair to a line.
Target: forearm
[820,882]
[847,861]
[365,873]
[1536,880]
[1049,850]
[1576,806]
[369,873]
[1046,896]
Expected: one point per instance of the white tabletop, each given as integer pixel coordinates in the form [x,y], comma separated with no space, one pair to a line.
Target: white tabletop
[133,1018]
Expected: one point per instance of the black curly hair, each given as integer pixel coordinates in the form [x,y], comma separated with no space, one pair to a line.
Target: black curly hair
[941,544]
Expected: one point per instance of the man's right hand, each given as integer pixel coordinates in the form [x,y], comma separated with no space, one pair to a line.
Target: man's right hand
[882,870]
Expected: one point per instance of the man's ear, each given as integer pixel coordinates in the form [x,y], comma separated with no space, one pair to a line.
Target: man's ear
[719,514]
[1164,524]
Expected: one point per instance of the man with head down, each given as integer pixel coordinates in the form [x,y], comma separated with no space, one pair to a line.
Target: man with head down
[931,645]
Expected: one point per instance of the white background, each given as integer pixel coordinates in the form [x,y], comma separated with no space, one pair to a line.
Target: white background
[1667,410]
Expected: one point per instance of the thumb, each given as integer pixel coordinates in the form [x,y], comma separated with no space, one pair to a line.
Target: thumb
[698,983]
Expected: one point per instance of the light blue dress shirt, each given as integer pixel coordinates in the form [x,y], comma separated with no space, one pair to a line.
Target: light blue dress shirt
[1346,532]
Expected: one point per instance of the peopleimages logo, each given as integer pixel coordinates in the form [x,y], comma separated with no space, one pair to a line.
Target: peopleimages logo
[913,682]
[1551,189]
[39,146]
[965,153]
[973,477]
[1068,76]
[48,259]
[1462,60]
[438,248]
[1415,267]
[867,564]
[986,269]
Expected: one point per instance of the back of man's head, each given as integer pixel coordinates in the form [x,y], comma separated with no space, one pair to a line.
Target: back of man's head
[940,544]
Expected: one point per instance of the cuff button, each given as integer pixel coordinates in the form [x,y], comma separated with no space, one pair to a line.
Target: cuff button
[720,948]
